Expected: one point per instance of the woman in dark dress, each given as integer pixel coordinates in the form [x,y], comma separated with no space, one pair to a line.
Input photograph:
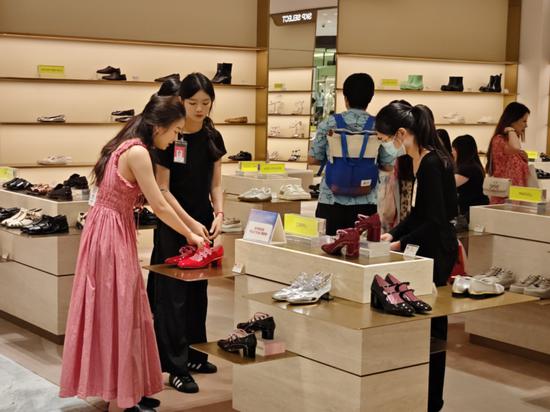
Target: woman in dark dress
[191,184]
[434,207]
[469,175]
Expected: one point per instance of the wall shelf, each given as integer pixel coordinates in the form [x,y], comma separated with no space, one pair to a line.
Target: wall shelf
[289,114]
[37,166]
[116,82]
[289,91]
[288,137]
[465,124]
[128,42]
[438,92]
[425,59]
[104,124]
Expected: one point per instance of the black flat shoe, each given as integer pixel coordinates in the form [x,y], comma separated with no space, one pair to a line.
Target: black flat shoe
[129,112]
[6,184]
[240,339]
[202,367]
[149,402]
[108,70]
[260,321]
[115,76]
[184,383]
[61,192]
[383,296]
[7,213]
[174,76]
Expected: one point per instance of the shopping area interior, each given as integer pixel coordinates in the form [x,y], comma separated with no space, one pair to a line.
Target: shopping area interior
[72,74]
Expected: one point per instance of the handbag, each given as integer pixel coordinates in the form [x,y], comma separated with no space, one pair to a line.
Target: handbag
[495,186]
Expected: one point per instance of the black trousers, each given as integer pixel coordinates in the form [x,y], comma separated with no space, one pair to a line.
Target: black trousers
[340,216]
[179,308]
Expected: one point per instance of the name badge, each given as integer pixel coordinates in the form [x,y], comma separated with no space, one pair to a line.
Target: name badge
[180,152]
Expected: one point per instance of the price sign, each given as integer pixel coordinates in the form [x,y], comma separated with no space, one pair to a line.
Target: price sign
[301,225]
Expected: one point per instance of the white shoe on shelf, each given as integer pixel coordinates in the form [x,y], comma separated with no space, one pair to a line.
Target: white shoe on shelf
[231,225]
[484,288]
[255,194]
[55,160]
[293,192]
[455,118]
[519,286]
[486,120]
[540,289]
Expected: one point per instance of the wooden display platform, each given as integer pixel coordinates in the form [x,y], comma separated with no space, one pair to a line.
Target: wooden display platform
[213,349]
[236,185]
[233,207]
[305,175]
[352,278]
[192,275]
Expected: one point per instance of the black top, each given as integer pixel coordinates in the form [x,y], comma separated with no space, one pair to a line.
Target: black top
[429,223]
[190,183]
[471,192]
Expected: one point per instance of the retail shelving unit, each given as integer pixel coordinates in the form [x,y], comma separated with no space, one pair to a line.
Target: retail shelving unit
[289,92]
[471,103]
[516,238]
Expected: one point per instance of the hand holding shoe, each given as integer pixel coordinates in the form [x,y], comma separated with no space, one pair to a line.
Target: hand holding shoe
[196,240]
[386,237]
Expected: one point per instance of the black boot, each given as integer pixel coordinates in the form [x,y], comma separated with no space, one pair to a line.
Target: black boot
[223,73]
[455,84]
[497,88]
[490,85]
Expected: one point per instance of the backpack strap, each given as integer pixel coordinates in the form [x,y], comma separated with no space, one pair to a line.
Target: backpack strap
[341,124]
[367,129]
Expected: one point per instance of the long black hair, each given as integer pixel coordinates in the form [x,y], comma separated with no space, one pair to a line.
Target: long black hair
[511,114]
[445,139]
[160,111]
[191,85]
[466,152]
[419,120]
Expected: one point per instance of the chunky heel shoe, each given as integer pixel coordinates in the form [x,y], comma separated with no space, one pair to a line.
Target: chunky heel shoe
[386,298]
[371,224]
[202,258]
[344,237]
[260,321]
[184,252]
[240,339]
[408,295]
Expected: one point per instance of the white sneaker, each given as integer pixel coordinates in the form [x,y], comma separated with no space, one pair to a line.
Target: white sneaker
[293,192]
[498,275]
[541,289]
[493,271]
[519,287]
[256,195]
[231,225]
[455,118]
[55,160]
[486,120]
[484,289]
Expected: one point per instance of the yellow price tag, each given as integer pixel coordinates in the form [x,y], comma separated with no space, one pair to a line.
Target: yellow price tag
[527,194]
[532,154]
[272,168]
[250,166]
[51,71]
[301,225]
[7,173]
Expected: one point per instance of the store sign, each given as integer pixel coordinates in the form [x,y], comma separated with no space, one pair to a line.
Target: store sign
[273,168]
[6,173]
[295,17]
[301,225]
[48,71]
[264,227]
[250,166]
[527,194]
[532,154]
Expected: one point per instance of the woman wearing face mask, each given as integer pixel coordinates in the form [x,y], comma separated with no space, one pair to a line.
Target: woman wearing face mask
[192,186]
[434,206]
[504,156]
[110,350]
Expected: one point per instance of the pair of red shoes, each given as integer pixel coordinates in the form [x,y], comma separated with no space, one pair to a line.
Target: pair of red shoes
[350,237]
[192,258]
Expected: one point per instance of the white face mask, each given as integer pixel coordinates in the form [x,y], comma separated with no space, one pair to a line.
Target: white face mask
[393,151]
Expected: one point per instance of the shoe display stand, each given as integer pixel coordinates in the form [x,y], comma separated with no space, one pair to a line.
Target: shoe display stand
[343,355]
[36,272]
[515,238]
[233,207]
[471,103]
[235,185]
[305,175]
[87,102]
[289,113]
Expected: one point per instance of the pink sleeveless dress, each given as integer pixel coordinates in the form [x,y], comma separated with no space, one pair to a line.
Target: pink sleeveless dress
[110,348]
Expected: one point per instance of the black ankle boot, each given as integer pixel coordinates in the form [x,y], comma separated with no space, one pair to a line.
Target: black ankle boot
[223,73]
[497,87]
[455,84]
[490,85]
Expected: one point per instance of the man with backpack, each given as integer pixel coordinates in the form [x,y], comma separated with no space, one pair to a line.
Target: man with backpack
[351,169]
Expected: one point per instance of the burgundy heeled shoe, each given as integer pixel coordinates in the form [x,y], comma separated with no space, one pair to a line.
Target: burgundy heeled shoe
[383,296]
[371,224]
[344,237]
[407,294]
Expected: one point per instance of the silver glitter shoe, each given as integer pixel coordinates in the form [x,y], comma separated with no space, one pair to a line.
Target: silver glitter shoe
[283,294]
[319,286]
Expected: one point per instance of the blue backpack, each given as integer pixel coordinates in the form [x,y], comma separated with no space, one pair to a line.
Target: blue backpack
[352,176]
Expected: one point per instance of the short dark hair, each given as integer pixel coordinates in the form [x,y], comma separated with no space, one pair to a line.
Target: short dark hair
[359,89]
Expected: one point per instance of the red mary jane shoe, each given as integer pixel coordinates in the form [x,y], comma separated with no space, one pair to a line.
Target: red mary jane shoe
[185,252]
[202,258]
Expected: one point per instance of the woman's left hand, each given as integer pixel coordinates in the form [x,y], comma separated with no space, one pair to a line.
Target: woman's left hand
[395,246]
[216,227]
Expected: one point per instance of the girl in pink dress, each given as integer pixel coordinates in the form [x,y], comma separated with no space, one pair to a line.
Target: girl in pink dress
[504,156]
[110,348]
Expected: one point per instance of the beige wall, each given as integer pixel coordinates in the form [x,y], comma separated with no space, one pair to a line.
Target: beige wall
[465,29]
[292,45]
[183,21]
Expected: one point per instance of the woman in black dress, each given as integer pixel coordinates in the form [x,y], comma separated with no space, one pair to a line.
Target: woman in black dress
[192,184]
[434,207]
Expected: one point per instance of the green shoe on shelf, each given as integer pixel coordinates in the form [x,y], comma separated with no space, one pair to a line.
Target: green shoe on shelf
[415,82]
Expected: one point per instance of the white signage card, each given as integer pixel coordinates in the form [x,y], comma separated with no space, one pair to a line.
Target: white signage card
[264,227]
[410,250]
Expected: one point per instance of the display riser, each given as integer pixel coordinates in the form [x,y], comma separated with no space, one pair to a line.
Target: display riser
[241,210]
[49,207]
[513,221]
[351,279]
[545,184]
[523,325]
[305,175]
[361,352]
[34,296]
[542,165]
[302,385]
[237,185]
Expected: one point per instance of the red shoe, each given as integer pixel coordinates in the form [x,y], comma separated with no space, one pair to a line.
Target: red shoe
[345,237]
[202,258]
[371,224]
[185,252]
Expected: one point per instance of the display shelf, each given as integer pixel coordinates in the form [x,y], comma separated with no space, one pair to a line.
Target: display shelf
[464,124]
[116,82]
[212,348]
[425,59]
[233,184]
[233,207]
[441,92]
[39,166]
[128,42]
[193,275]
[289,114]
[107,124]
[289,91]
[288,137]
